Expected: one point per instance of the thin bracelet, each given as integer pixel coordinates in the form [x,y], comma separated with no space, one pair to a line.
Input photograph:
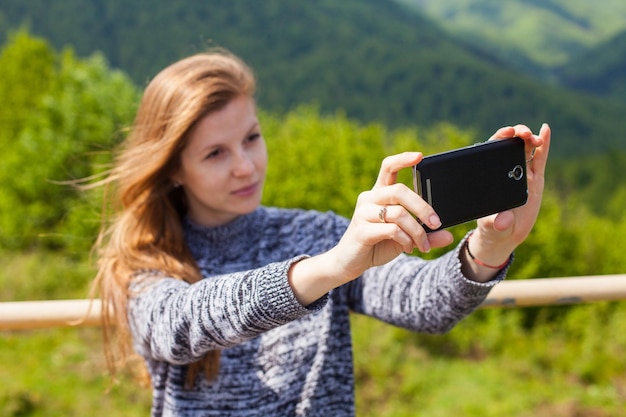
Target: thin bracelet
[478,261]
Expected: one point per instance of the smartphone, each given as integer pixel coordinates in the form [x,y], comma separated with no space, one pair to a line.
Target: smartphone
[475,181]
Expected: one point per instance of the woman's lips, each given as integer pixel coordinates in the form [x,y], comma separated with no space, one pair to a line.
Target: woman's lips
[246,191]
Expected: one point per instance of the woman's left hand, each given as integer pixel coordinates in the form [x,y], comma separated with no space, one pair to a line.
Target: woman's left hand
[497,236]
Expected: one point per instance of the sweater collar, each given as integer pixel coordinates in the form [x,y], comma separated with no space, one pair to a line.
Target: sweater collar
[234,228]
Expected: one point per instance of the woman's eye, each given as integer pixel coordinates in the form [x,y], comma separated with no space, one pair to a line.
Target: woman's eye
[253,137]
[213,154]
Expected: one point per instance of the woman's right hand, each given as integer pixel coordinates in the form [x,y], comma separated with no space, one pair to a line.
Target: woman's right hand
[369,241]
[384,224]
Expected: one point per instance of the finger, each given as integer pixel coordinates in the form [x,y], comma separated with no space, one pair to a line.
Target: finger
[520,131]
[524,132]
[406,225]
[499,225]
[531,141]
[540,158]
[440,238]
[391,165]
[503,133]
[503,220]
[401,195]
[392,232]
[537,165]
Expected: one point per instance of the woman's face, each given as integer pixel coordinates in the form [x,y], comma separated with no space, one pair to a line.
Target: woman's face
[223,165]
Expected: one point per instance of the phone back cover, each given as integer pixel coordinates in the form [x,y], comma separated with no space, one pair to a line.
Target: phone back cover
[468,183]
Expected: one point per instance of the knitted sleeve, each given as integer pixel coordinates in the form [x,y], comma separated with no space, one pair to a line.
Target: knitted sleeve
[419,295]
[425,296]
[174,321]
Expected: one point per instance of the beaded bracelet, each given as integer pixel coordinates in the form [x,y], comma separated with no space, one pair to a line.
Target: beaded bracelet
[478,261]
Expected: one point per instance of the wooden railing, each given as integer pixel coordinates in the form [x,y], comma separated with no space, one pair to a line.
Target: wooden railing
[513,293]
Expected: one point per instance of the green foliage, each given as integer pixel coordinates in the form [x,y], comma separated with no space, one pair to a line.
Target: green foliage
[319,162]
[324,162]
[374,60]
[594,180]
[63,117]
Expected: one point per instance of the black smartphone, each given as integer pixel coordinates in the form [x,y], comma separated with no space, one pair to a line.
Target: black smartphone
[475,181]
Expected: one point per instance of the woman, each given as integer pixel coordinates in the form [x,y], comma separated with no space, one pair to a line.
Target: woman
[240,309]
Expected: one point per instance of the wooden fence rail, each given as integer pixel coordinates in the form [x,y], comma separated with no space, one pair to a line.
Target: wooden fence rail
[513,293]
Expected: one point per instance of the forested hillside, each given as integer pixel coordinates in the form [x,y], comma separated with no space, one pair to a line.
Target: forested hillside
[549,33]
[600,71]
[372,58]
[578,44]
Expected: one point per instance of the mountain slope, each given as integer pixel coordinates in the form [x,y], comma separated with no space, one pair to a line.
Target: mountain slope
[601,71]
[372,58]
[549,32]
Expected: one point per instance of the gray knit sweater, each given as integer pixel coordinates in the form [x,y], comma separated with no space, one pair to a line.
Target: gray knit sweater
[278,357]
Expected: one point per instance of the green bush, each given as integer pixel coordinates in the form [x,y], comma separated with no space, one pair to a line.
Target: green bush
[60,120]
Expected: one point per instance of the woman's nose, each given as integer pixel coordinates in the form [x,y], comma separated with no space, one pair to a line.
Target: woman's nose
[244,164]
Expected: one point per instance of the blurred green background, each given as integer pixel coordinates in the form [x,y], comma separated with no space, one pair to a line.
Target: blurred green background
[342,84]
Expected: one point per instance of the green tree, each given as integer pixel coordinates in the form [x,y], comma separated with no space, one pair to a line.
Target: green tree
[323,162]
[65,115]
[320,162]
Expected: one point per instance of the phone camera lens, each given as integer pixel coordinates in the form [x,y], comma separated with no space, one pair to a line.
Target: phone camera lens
[517,173]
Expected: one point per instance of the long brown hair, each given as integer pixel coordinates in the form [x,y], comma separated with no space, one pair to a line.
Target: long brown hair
[144,232]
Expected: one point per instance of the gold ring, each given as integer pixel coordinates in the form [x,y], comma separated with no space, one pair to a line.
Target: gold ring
[382,213]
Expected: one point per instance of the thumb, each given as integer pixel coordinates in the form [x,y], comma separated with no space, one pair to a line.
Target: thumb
[503,221]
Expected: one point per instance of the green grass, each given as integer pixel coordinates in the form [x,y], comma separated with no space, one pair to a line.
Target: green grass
[537,372]
[542,362]
[61,372]
[57,372]
[42,275]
